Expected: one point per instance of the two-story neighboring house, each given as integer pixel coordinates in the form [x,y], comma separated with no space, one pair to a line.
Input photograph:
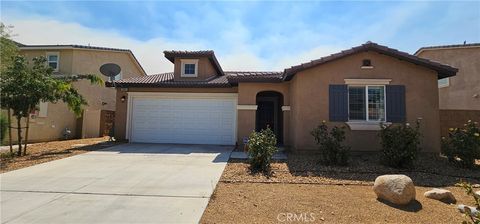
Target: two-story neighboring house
[459,96]
[51,120]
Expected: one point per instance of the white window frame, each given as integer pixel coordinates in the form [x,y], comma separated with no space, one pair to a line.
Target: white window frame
[43,109]
[56,53]
[366,103]
[444,85]
[118,77]
[189,61]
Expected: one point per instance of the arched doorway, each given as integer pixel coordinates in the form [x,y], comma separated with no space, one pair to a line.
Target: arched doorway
[269,113]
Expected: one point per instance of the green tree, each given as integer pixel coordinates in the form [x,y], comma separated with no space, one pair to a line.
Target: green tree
[8,48]
[24,87]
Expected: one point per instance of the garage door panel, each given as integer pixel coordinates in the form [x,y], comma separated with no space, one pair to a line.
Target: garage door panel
[188,121]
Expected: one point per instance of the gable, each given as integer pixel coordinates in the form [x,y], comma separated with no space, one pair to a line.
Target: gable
[441,69]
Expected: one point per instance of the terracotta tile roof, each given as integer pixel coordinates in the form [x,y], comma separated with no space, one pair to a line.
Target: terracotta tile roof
[166,80]
[170,55]
[447,46]
[254,76]
[231,78]
[443,70]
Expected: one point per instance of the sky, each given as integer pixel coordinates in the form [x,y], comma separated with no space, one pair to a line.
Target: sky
[253,35]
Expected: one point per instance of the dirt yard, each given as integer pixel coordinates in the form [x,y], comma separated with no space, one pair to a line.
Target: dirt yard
[47,151]
[300,187]
[271,203]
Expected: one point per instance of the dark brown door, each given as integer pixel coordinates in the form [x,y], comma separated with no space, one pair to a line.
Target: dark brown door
[266,115]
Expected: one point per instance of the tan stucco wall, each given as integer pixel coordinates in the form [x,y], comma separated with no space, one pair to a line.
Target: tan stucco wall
[121,107]
[205,69]
[66,58]
[459,95]
[80,61]
[309,98]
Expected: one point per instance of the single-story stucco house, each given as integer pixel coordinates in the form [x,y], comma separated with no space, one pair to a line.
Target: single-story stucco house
[199,103]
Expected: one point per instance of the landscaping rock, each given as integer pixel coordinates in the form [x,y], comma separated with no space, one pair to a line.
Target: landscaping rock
[468,209]
[441,195]
[397,189]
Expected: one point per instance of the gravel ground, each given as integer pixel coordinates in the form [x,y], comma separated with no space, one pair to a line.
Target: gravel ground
[271,203]
[429,170]
[47,151]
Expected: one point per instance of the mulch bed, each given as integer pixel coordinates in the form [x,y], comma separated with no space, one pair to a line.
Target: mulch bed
[429,170]
[47,151]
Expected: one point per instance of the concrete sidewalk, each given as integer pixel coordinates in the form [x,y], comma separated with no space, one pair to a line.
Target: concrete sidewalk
[131,183]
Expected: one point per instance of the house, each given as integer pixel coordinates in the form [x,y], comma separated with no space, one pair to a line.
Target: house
[459,96]
[51,120]
[200,103]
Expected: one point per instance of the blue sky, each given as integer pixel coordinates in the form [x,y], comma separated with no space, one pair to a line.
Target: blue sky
[251,35]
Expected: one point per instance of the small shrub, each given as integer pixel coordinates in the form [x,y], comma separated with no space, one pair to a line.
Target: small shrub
[462,146]
[400,144]
[472,213]
[3,127]
[330,144]
[261,147]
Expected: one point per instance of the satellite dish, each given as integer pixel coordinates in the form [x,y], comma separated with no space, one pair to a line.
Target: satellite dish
[110,70]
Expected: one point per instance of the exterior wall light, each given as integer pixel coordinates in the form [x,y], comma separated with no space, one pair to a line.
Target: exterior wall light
[123,99]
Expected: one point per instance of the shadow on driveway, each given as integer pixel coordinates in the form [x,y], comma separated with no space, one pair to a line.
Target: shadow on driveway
[222,151]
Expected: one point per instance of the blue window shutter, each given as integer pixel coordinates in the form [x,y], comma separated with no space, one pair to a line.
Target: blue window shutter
[338,102]
[395,103]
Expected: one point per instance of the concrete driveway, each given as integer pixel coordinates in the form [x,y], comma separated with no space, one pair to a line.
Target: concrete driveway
[131,183]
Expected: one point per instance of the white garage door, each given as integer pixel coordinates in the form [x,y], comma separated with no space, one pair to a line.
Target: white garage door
[183,118]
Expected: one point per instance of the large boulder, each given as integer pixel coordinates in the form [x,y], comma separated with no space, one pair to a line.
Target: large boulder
[397,189]
[441,195]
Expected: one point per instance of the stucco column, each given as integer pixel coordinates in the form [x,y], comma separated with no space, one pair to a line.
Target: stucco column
[286,125]
[245,121]
[121,115]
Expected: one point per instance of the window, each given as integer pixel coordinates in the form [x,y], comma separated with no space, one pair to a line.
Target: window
[366,103]
[118,77]
[189,67]
[42,109]
[443,82]
[366,63]
[53,59]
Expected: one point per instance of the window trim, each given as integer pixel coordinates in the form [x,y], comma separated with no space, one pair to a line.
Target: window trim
[56,53]
[444,85]
[367,120]
[189,61]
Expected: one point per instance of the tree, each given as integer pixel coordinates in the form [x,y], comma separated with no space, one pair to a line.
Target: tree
[8,49]
[24,87]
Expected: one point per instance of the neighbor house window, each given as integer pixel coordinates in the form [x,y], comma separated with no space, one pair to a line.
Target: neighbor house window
[366,103]
[189,67]
[443,82]
[118,77]
[53,59]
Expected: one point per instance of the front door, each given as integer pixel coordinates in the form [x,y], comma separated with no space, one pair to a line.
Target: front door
[268,115]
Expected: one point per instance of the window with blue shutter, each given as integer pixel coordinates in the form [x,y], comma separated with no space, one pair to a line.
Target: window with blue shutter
[396,103]
[338,102]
